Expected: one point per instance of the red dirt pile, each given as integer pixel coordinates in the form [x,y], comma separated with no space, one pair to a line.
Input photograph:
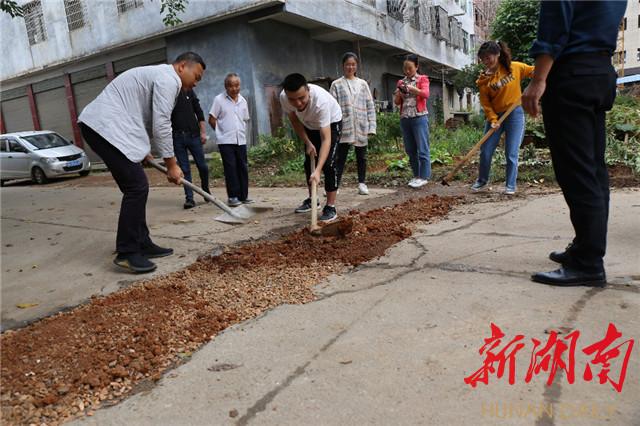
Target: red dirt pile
[72,363]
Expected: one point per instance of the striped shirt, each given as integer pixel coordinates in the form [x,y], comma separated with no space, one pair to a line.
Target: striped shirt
[358,110]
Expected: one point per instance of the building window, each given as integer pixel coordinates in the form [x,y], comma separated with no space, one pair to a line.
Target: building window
[638,55]
[465,42]
[624,56]
[396,9]
[124,5]
[34,20]
[75,14]
[638,21]
[624,24]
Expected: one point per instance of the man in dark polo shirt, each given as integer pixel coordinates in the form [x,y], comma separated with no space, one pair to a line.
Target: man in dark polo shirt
[189,134]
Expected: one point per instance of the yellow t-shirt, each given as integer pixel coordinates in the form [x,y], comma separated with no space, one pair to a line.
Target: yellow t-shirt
[501,89]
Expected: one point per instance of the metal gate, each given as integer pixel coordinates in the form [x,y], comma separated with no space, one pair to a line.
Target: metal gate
[17,115]
[53,111]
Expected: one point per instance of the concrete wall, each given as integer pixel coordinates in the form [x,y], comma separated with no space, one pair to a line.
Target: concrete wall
[104,29]
[263,53]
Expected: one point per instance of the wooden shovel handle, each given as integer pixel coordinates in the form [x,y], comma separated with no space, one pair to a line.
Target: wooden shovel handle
[477,146]
[314,196]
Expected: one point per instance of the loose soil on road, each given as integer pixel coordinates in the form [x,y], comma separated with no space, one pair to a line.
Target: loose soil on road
[70,364]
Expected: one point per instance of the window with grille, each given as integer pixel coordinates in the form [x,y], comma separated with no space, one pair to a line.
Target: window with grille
[34,21]
[75,14]
[125,5]
[465,42]
[414,16]
[396,9]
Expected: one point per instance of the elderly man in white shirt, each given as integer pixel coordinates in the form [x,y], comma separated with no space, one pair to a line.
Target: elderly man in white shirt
[119,125]
[316,118]
[229,116]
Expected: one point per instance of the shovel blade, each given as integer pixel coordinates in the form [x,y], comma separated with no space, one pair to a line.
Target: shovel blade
[241,214]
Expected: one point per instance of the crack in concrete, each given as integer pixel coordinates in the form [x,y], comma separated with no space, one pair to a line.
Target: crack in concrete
[56,224]
[261,404]
[552,394]
[474,222]
[506,234]
[88,228]
[491,249]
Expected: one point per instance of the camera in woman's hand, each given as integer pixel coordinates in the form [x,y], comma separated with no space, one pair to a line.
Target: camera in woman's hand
[403,88]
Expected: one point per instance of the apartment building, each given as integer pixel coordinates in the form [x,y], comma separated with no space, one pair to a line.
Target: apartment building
[64,52]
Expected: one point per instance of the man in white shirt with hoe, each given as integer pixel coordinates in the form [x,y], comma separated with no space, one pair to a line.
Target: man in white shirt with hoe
[316,118]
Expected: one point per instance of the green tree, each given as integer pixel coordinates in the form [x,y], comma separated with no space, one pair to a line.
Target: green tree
[466,78]
[516,23]
[171,8]
[11,7]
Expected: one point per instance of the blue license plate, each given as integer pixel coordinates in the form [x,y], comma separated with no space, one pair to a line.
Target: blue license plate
[74,163]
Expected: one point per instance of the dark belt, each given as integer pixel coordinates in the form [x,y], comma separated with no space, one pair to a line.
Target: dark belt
[183,132]
[601,55]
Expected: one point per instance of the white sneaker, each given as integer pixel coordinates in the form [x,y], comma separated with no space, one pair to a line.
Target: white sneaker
[421,182]
[362,189]
[412,182]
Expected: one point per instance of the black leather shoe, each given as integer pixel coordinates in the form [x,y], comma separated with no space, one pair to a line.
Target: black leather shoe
[569,277]
[189,204]
[561,257]
[153,251]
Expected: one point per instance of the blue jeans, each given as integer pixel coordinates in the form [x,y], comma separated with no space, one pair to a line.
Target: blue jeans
[415,134]
[183,143]
[514,128]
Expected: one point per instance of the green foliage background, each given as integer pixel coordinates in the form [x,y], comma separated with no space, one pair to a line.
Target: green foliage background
[516,23]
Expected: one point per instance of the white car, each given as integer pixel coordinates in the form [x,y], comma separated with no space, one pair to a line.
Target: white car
[40,156]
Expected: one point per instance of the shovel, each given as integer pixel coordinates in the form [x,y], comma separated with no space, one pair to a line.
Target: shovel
[335,229]
[240,214]
[476,147]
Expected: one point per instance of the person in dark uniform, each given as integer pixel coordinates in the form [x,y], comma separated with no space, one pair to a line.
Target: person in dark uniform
[189,134]
[577,85]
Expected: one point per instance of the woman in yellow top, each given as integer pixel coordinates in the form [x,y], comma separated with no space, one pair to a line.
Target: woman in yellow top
[499,86]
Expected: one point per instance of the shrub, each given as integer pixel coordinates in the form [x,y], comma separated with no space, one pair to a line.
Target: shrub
[271,148]
[388,134]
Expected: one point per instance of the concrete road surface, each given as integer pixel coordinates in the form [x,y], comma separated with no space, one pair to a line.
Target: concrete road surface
[391,342]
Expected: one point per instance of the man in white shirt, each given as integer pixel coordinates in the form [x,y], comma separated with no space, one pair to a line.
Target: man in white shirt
[229,116]
[119,125]
[316,118]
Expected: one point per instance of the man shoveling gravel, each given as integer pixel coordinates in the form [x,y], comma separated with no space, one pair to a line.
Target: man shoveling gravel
[118,125]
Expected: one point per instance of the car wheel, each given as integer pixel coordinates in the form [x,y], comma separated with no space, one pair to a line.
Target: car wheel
[38,176]
[85,173]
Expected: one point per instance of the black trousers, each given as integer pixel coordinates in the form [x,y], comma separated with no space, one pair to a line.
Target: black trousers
[361,160]
[133,233]
[236,170]
[329,168]
[580,89]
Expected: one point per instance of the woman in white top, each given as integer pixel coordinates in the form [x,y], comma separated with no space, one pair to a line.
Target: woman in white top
[358,118]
